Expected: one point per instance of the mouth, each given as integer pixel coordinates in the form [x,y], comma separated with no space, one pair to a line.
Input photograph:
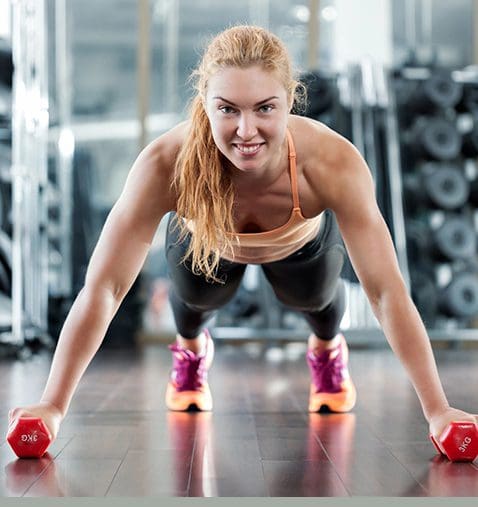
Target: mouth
[248,150]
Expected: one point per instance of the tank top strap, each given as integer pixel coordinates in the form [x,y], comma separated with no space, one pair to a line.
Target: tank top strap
[293,171]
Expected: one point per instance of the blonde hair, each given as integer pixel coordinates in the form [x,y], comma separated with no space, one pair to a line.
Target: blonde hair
[203,186]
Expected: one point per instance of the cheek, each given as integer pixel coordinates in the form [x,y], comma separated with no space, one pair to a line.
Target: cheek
[220,130]
[217,133]
[278,130]
[219,137]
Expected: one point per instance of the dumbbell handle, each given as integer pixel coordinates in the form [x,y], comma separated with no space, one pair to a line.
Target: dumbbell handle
[29,437]
[460,441]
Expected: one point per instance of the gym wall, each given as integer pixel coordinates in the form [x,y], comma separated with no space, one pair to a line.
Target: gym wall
[90,68]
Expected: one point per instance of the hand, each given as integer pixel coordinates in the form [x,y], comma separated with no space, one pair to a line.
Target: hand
[51,415]
[440,421]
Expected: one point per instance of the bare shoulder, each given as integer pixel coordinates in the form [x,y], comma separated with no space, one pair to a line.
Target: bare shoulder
[161,153]
[168,144]
[317,144]
[326,158]
[153,169]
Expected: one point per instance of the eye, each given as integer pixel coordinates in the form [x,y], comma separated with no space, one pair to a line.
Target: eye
[226,109]
[267,108]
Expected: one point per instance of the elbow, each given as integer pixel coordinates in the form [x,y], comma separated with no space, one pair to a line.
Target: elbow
[107,286]
[109,292]
[382,296]
[117,292]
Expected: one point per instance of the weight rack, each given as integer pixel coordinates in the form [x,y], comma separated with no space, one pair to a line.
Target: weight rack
[429,240]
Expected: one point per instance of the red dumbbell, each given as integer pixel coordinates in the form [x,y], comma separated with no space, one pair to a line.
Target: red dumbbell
[459,440]
[29,437]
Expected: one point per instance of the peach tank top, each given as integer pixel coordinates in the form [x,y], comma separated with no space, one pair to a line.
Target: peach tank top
[276,244]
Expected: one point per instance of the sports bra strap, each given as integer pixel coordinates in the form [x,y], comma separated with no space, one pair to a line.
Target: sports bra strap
[293,171]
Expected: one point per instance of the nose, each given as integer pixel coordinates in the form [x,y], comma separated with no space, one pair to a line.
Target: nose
[246,127]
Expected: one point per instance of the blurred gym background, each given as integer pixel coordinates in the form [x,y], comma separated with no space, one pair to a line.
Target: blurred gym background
[85,85]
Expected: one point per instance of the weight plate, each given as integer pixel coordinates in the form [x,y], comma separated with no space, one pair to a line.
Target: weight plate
[455,239]
[439,139]
[460,297]
[446,187]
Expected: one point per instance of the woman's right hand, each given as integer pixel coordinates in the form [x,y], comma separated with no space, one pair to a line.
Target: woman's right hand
[51,415]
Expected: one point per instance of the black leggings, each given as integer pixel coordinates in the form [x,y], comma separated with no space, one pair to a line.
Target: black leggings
[308,281]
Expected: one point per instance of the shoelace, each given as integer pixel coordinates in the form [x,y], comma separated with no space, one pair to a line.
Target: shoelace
[326,373]
[189,371]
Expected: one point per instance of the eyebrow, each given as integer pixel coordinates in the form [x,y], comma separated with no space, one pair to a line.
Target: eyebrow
[255,105]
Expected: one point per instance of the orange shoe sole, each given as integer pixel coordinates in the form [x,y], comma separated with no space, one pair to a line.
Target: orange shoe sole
[343,401]
[186,400]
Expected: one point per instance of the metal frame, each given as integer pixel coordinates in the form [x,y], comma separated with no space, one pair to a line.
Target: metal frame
[29,171]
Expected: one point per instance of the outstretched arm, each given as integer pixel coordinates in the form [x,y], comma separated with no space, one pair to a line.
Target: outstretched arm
[352,197]
[115,263]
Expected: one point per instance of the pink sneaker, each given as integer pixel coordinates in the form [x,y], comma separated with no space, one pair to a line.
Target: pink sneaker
[331,384]
[188,385]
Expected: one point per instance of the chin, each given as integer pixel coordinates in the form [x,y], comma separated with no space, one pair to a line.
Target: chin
[248,165]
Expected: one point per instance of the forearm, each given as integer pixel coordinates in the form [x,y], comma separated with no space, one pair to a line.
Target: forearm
[409,340]
[80,338]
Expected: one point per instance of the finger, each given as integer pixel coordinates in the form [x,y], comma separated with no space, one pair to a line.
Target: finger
[442,450]
[12,414]
[436,442]
[16,413]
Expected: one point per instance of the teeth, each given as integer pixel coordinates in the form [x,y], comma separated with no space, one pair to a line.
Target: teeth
[248,149]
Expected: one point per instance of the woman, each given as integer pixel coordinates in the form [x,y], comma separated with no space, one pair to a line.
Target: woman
[248,182]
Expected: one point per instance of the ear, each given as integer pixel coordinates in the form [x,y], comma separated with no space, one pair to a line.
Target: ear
[291,101]
[291,104]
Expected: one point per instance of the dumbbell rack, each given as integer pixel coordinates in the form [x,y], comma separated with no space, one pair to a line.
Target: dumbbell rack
[442,320]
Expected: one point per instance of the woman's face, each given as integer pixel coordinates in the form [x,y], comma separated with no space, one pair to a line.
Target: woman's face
[248,111]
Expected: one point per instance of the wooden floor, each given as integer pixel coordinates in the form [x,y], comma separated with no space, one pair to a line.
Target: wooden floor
[119,440]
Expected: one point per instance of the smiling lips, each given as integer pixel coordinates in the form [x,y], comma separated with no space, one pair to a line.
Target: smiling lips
[248,149]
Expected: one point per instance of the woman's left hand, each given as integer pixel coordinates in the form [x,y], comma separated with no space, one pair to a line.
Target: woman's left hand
[440,421]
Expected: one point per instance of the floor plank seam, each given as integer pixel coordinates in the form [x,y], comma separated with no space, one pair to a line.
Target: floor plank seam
[305,415]
[266,485]
[333,465]
[409,472]
[253,413]
[191,462]
[126,381]
[118,469]
[38,478]
[389,449]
